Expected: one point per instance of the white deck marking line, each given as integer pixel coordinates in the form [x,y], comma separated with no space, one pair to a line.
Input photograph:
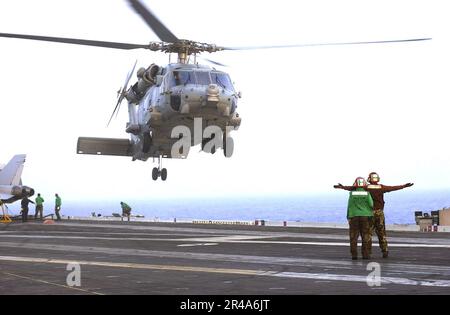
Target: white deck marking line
[238,239]
[337,244]
[51,283]
[422,239]
[199,244]
[277,260]
[247,272]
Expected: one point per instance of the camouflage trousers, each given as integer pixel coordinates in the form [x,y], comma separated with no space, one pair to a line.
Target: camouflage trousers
[39,211]
[360,226]
[379,227]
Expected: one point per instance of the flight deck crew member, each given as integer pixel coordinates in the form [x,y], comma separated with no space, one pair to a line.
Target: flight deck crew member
[377,192]
[126,210]
[25,202]
[359,216]
[1,206]
[39,206]
[57,206]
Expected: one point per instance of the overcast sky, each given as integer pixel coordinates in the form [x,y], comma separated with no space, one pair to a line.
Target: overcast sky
[311,117]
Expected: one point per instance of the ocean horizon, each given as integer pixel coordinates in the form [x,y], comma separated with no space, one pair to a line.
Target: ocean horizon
[332,208]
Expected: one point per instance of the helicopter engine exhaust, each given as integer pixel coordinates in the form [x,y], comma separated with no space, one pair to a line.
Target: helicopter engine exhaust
[147,78]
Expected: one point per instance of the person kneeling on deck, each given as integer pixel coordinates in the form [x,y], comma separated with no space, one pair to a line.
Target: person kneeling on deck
[359,215]
[126,210]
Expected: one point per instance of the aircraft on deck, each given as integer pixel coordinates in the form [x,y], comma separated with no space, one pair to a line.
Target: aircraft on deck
[11,188]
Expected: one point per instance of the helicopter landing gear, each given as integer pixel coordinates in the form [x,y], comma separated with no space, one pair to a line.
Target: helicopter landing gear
[159,172]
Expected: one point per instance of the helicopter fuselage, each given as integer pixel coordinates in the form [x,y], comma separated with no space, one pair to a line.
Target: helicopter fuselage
[183,95]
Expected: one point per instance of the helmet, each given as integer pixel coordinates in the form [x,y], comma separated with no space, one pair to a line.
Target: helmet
[373,177]
[360,182]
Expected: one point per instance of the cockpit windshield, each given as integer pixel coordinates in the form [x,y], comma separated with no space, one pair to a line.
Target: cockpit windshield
[185,77]
[203,77]
[222,80]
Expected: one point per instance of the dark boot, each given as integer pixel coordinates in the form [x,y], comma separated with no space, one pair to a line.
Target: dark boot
[385,255]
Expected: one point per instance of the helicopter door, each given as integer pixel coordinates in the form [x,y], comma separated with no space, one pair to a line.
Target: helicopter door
[145,105]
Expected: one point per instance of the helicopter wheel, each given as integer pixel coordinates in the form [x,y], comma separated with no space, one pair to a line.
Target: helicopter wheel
[228,146]
[164,174]
[155,173]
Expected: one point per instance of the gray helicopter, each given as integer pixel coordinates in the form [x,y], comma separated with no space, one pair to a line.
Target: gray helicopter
[173,107]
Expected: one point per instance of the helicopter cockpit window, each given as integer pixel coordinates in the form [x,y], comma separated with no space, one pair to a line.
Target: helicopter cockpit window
[203,77]
[183,78]
[222,80]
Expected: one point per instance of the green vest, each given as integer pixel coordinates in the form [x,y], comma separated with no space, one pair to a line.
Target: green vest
[39,201]
[360,204]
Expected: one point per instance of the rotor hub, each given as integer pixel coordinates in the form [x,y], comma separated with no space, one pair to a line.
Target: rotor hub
[184,48]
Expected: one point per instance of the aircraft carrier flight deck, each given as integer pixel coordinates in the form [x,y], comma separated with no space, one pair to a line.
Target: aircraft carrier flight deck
[200,259]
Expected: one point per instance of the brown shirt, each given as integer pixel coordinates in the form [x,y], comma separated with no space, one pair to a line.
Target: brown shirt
[377,193]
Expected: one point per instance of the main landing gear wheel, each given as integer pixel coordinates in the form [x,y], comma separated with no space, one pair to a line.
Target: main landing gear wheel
[158,172]
[155,173]
[164,174]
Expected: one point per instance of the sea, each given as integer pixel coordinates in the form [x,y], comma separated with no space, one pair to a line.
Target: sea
[330,208]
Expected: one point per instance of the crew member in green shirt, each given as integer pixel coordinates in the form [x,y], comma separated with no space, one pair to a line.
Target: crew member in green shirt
[126,210]
[57,206]
[359,215]
[39,206]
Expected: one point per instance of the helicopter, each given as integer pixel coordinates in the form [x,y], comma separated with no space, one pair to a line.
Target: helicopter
[175,106]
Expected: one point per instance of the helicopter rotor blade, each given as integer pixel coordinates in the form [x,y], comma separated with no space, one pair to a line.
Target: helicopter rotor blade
[214,62]
[125,87]
[155,24]
[76,41]
[122,92]
[326,44]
